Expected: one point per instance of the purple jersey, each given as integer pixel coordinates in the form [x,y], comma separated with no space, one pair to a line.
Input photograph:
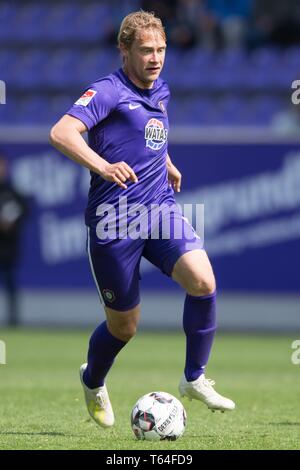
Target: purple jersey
[130,124]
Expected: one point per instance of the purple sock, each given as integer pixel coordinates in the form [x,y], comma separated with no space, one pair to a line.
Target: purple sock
[103,349]
[199,324]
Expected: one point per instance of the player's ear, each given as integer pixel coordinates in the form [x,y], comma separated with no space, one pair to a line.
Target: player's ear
[123,49]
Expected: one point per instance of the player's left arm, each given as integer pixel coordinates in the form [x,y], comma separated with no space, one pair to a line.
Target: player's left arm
[174,175]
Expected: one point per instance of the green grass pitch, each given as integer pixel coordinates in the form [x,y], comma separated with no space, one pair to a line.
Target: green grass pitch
[42,406]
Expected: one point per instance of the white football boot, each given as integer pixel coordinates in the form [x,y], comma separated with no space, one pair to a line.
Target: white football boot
[202,389]
[98,403]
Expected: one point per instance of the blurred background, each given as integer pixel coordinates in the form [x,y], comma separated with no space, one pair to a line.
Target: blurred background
[234,135]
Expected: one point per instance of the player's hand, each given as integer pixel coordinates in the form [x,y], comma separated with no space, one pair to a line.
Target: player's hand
[119,173]
[174,177]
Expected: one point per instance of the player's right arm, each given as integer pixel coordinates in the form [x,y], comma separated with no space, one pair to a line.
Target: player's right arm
[66,136]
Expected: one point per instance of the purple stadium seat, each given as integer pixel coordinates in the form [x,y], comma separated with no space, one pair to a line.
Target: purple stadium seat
[28,68]
[57,106]
[262,109]
[94,22]
[59,69]
[60,22]
[31,109]
[30,21]
[7,17]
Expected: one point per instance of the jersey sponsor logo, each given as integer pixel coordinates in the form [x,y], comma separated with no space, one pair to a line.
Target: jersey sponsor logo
[86,97]
[134,106]
[155,134]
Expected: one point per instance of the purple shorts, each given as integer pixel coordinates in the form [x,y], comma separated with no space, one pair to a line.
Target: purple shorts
[116,265]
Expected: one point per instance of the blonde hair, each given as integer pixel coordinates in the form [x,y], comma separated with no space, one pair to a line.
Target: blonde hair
[135,21]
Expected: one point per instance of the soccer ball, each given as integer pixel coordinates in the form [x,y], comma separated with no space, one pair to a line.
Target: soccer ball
[158,416]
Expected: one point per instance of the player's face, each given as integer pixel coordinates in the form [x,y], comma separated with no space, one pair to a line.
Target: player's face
[145,58]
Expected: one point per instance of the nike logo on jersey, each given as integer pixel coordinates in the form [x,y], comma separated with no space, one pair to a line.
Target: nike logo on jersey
[134,106]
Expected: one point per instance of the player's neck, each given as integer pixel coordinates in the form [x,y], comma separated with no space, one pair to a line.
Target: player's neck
[136,81]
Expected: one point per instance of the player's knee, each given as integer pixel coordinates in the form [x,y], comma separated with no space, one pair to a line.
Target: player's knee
[202,286]
[128,332]
[124,332]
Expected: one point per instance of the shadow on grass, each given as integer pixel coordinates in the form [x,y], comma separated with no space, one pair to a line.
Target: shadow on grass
[285,423]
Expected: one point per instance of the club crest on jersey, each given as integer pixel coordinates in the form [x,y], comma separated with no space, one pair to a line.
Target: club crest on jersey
[162,106]
[155,134]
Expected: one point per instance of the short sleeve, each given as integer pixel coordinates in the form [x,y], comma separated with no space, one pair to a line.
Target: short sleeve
[96,103]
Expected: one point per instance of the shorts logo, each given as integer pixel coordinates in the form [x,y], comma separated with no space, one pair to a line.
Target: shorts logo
[155,134]
[109,295]
[86,97]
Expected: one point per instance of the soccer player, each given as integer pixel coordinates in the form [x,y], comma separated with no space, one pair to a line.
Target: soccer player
[126,119]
